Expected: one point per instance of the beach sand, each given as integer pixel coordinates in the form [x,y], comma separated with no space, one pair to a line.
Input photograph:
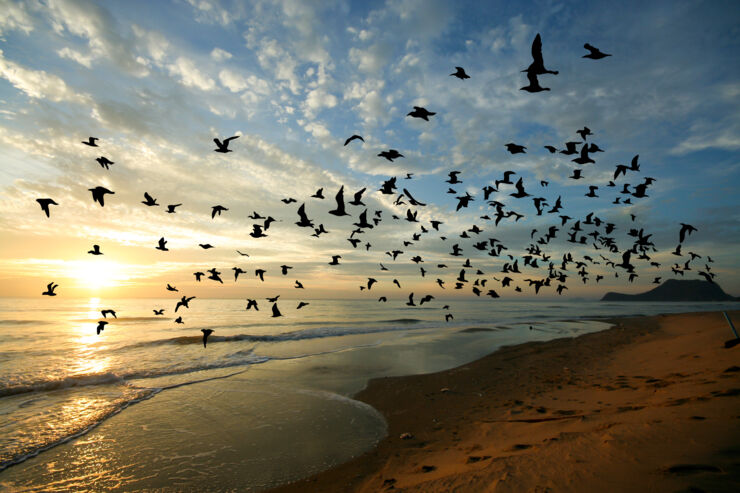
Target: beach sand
[652,404]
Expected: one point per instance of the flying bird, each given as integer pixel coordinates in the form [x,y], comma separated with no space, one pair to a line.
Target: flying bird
[206,333]
[223,147]
[50,289]
[98,194]
[91,141]
[460,73]
[105,313]
[275,312]
[594,53]
[45,203]
[101,326]
[420,112]
[104,162]
[354,137]
[162,245]
[171,208]
[95,250]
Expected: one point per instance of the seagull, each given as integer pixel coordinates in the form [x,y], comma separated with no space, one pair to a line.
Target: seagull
[520,193]
[45,203]
[390,154]
[583,158]
[460,74]
[104,162]
[217,209]
[206,333]
[410,302]
[101,326]
[237,271]
[148,200]
[319,194]
[273,300]
[284,269]
[301,305]
[358,198]
[91,141]
[335,259]
[275,312]
[105,313]
[205,246]
[98,194]
[305,222]
[50,289]
[685,228]
[159,312]
[298,285]
[453,178]
[184,302]
[354,137]
[340,209]
[257,231]
[223,147]
[178,320]
[252,304]
[594,52]
[420,112]
[171,208]
[161,245]
[198,275]
[584,132]
[289,200]
[171,288]
[95,250]
[537,66]
[260,273]
[515,148]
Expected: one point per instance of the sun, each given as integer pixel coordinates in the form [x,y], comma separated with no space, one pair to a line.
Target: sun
[96,274]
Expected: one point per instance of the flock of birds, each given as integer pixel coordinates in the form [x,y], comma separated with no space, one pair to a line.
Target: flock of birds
[472,277]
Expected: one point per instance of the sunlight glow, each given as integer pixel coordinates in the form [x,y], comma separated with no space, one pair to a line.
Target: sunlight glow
[97,274]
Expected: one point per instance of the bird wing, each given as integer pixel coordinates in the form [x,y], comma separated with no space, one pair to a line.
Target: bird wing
[537,50]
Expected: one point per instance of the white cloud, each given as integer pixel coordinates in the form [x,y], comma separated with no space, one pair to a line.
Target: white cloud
[220,55]
[39,84]
[67,52]
[316,100]
[189,75]
[14,17]
[211,12]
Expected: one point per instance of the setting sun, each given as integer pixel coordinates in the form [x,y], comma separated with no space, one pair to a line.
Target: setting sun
[96,274]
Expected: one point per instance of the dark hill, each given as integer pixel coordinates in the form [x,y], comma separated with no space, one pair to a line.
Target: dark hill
[677,290]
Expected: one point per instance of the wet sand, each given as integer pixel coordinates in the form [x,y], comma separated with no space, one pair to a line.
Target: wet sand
[652,404]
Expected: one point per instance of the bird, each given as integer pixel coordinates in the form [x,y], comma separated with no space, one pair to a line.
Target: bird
[289,200]
[335,259]
[515,148]
[551,149]
[198,275]
[161,245]
[148,200]
[159,312]
[178,320]
[584,132]
[184,302]
[448,317]
[357,198]
[583,158]
[284,269]
[412,200]
[570,148]
[390,154]
[45,203]
[520,193]
[382,299]
[301,305]
[460,73]
[534,84]
[171,288]
[304,222]
[576,174]
[420,112]
[101,326]
[105,313]
[275,312]
[410,302]
[319,194]
[298,285]
[594,52]
[98,194]
[217,209]
[206,333]
[340,210]
[95,250]
[592,191]
[260,273]
[685,229]
[537,66]
[237,271]
[50,289]
[257,231]
[91,141]
[205,246]
[171,208]
[223,147]
[453,177]
[252,304]
[354,137]
[274,299]
[104,162]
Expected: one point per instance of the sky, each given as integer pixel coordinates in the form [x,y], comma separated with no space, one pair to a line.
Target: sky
[157,81]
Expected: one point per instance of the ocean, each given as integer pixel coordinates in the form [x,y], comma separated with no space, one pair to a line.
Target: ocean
[144,405]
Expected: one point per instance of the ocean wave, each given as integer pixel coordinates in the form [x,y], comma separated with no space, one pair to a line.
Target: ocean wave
[296,335]
[4,323]
[243,359]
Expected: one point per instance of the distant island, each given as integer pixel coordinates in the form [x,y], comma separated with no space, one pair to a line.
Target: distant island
[677,290]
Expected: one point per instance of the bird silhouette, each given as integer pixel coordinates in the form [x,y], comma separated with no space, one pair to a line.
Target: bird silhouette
[184,302]
[101,326]
[275,312]
[319,194]
[534,84]
[45,203]
[178,320]
[298,285]
[252,304]
[159,312]
[217,209]
[95,250]
[104,162]
[304,222]
[583,158]
[98,194]
[257,231]
[354,137]
[274,299]
[161,245]
[223,147]
[410,302]
[584,132]
[105,313]
[237,271]
[515,148]
[357,198]
[420,112]
[289,200]
[685,229]
[50,289]
[390,154]
[198,275]
[171,288]
[340,210]
[91,141]
[301,305]
[537,66]
[594,53]
[260,273]
[460,73]
[206,333]
[520,193]
[171,208]
[148,200]
[335,259]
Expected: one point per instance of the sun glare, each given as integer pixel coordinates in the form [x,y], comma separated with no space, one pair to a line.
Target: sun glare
[96,274]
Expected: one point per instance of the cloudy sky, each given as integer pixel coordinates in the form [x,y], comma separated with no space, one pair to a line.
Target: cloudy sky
[157,81]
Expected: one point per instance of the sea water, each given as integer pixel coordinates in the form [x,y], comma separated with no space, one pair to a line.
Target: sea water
[144,405]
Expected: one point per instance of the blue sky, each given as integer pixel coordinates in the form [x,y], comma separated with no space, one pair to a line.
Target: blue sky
[156,81]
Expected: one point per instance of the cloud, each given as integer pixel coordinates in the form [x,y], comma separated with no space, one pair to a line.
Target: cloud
[15,17]
[189,75]
[220,55]
[211,12]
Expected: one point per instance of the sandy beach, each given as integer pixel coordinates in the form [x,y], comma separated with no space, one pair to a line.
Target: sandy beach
[652,404]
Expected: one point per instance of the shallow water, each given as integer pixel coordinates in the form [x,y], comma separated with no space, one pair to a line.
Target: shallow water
[145,405]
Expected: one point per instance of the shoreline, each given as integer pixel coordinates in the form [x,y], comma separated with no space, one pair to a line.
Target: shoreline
[614,408]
